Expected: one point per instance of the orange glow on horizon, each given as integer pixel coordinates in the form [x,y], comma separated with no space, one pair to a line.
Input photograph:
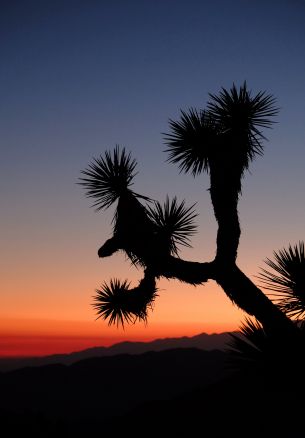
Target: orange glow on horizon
[51,322]
[24,338]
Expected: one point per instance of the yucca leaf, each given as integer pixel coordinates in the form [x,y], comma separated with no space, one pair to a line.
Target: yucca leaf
[287,279]
[108,177]
[227,134]
[109,302]
[118,304]
[250,343]
[239,117]
[190,141]
[277,360]
[174,223]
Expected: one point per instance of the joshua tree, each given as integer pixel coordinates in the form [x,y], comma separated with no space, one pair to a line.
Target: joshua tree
[221,140]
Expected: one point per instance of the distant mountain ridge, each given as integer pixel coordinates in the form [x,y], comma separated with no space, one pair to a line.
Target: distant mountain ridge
[203,341]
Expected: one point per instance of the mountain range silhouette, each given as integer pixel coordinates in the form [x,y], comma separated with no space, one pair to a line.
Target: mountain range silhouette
[170,392]
[204,341]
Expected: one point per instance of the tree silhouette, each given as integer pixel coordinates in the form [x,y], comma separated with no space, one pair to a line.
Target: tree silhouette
[221,140]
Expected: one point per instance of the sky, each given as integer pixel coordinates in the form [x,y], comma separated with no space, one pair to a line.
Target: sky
[79,77]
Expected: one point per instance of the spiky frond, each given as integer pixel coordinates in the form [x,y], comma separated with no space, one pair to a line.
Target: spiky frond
[240,115]
[287,280]
[268,356]
[174,223]
[190,141]
[228,132]
[108,177]
[120,305]
[109,302]
[250,343]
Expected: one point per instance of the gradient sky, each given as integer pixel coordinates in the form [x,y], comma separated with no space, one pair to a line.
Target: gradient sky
[79,77]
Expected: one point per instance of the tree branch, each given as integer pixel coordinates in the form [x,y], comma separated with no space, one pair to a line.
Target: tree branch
[190,272]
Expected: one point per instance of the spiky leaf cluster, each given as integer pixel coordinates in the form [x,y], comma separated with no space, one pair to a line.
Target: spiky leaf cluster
[269,356]
[108,177]
[250,343]
[174,223]
[119,304]
[191,140]
[229,129]
[240,115]
[287,279]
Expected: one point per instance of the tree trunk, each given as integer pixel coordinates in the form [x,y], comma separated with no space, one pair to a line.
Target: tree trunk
[237,286]
[246,295]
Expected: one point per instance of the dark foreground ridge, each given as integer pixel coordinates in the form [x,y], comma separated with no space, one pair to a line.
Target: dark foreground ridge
[92,391]
[181,392]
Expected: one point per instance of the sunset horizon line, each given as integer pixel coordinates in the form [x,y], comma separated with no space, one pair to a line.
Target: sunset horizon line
[21,345]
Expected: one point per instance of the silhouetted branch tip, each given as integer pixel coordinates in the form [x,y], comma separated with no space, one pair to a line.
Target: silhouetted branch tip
[108,177]
[191,140]
[228,131]
[174,224]
[287,279]
[119,304]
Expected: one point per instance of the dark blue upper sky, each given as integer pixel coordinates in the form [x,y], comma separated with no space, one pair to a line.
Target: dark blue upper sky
[131,64]
[78,77]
